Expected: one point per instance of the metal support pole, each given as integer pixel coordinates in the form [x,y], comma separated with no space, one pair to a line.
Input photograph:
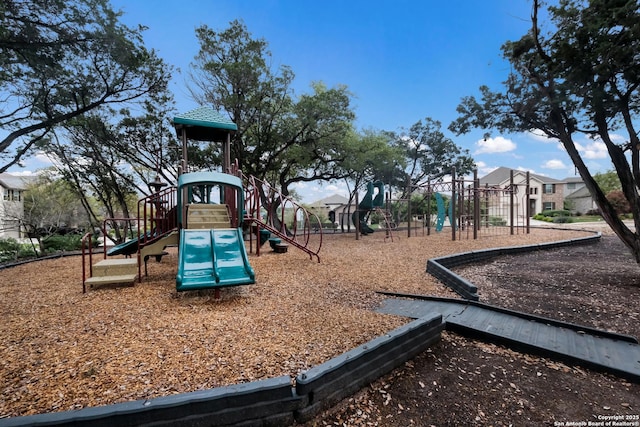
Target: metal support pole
[511,197]
[452,217]
[476,204]
[528,209]
[357,221]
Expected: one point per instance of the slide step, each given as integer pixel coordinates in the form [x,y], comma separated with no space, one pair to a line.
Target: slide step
[111,280]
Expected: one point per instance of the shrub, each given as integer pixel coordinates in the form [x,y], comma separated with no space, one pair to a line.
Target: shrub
[619,202]
[562,220]
[497,220]
[11,250]
[56,243]
[554,213]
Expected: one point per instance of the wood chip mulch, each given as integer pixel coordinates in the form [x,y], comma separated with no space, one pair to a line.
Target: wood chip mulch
[62,349]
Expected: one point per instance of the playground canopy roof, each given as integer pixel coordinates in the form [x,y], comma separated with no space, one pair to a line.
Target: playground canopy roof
[209,178]
[203,124]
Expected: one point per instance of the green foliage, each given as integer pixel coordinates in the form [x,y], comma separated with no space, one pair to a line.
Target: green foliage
[62,59]
[57,243]
[562,219]
[281,137]
[556,213]
[555,216]
[430,154]
[50,202]
[497,221]
[369,156]
[12,250]
[607,181]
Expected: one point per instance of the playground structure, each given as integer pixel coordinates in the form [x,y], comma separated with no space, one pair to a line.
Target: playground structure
[370,204]
[207,216]
[212,251]
[471,210]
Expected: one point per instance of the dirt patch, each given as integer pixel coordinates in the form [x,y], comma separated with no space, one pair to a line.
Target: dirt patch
[593,285]
[466,382]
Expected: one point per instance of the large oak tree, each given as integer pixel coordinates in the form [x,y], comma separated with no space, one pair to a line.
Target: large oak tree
[576,74]
[61,59]
[280,137]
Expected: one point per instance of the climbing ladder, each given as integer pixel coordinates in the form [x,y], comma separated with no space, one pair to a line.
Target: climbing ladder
[389,224]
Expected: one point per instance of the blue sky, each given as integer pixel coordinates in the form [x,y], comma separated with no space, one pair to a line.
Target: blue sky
[402,60]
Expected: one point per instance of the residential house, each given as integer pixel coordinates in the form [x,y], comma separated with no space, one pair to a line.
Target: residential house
[11,205]
[573,184]
[333,209]
[581,201]
[544,193]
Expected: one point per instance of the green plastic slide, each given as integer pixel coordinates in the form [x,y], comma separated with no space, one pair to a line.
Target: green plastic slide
[212,258]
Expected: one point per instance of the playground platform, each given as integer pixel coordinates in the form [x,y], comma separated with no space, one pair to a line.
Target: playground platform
[574,344]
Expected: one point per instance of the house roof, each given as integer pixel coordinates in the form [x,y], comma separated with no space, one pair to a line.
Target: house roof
[14,182]
[203,124]
[575,179]
[335,199]
[502,174]
[579,193]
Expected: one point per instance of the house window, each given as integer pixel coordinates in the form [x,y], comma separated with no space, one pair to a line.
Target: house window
[533,190]
[549,188]
[549,206]
[571,185]
[12,195]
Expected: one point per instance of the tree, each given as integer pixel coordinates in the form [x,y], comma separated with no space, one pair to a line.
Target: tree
[607,181]
[51,205]
[91,161]
[430,154]
[619,202]
[369,156]
[279,137]
[62,59]
[579,76]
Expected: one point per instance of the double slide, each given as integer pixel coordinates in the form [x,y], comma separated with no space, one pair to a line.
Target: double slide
[210,258]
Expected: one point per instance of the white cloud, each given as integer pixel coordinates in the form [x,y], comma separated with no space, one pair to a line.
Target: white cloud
[498,144]
[538,135]
[23,173]
[593,150]
[484,169]
[43,158]
[554,164]
[310,193]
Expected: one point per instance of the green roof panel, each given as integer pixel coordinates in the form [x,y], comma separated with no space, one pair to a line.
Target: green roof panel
[204,124]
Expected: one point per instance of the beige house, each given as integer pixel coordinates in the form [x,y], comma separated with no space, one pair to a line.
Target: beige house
[11,205]
[334,209]
[544,193]
[580,201]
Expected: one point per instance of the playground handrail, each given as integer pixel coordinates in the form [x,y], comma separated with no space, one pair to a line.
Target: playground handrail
[157,215]
[278,207]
